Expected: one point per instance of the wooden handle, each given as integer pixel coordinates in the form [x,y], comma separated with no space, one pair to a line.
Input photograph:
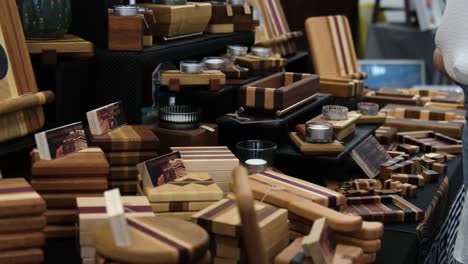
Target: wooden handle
[250,231]
[25,102]
[338,221]
[369,231]
[294,106]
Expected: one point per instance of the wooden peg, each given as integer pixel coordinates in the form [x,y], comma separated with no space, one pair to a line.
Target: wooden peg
[118,222]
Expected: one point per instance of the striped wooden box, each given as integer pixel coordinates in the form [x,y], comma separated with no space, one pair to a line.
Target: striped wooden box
[126,138]
[123,173]
[429,141]
[222,19]
[18,198]
[278,91]
[387,209]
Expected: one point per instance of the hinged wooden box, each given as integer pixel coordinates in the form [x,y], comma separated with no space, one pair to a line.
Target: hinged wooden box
[180,20]
[278,91]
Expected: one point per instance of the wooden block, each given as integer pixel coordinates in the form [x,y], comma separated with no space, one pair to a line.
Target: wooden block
[408,149]
[123,173]
[408,190]
[415,179]
[447,155]
[126,138]
[70,185]
[60,231]
[65,200]
[234,72]
[22,256]
[192,187]
[365,184]
[156,240]
[306,148]
[21,241]
[208,158]
[180,206]
[23,224]
[18,198]
[436,157]
[87,162]
[129,158]
[380,118]
[369,231]
[219,28]
[192,79]
[440,168]
[430,176]
[61,216]
[68,44]
[125,33]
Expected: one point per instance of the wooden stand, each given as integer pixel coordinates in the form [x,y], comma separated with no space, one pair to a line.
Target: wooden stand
[176,79]
[306,148]
[125,33]
[341,129]
[68,45]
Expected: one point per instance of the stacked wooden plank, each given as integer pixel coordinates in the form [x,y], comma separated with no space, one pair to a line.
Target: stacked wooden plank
[60,181]
[184,196]
[125,147]
[217,161]
[222,221]
[21,222]
[92,215]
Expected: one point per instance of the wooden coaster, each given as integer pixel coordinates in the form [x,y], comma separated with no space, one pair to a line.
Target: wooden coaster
[123,173]
[180,206]
[65,200]
[70,185]
[192,187]
[60,231]
[61,216]
[22,224]
[87,162]
[155,240]
[32,256]
[129,158]
[21,241]
[306,148]
[126,138]
[18,198]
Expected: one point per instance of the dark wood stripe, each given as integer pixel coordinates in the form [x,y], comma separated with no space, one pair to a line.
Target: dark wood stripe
[297,77]
[278,100]
[259,98]
[206,219]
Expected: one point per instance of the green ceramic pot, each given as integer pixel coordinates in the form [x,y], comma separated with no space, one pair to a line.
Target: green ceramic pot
[44,19]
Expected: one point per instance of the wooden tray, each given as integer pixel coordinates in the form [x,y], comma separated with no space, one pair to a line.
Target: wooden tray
[422,113]
[129,158]
[180,20]
[175,79]
[88,162]
[22,256]
[155,240]
[429,141]
[20,102]
[123,173]
[22,224]
[68,44]
[386,209]
[18,198]
[278,91]
[306,148]
[126,138]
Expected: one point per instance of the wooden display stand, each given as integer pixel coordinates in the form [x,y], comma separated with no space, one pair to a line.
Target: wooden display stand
[429,95]
[259,64]
[180,20]
[384,98]
[429,141]
[68,45]
[176,79]
[341,129]
[307,148]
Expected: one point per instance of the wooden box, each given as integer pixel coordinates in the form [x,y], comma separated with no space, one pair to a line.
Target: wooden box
[18,198]
[175,79]
[222,18]
[429,141]
[278,91]
[125,33]
[180,20]
[243,18]
[126,138]
[195,137]
[217,161]
[339,87]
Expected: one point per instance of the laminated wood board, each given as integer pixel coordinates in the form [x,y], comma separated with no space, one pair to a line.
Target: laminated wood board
[338,87]
[129,158]
[278,91]
[451,129]
[125,187]
[68,44]
[386,209]
[184,216]
[208,159]
[385,135]
[65,200]
[259,64]
[20,101]
[155,240]
[61,216]
[60,231]
[222,218]
[307,148]
[87,162]
[429,95]
[180,20]
[18,198]
[126,138]
[180,206]
[92,210]
[21,241]
[31,256]
[22,224]
[174,79]
[70,185]
[123,173]
[192,187]
[380,118]
[368,246]
[429,141]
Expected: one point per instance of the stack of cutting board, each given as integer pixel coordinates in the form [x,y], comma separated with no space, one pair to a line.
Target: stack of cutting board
[184,196]
[222,221]
[217,161]
[21,222]
[125,147]
[61,180]
[92,215]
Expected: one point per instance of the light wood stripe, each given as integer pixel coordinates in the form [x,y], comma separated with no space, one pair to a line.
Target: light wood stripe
[399,112]
[344,42]
[250,97]
[424,114]
[336,45]
[270,98]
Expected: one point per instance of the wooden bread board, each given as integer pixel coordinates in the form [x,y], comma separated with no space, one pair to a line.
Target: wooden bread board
[306,148]
[21,241]
[180,206]
[155,240]
[195,186]
[222,218]
[129,158]
[128,138]
[18,198]
[70,185]
[65,200]
[60,231]
[209,158]
[89,161]
[22,224]
[92,210]
[123,173]
[61,216]
[33,256]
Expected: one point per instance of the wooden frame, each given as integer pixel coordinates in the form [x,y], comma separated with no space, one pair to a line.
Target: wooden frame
[429,141]
[278,91]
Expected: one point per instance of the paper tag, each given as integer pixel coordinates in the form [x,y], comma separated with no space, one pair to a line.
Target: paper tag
[208,128]
[116,214]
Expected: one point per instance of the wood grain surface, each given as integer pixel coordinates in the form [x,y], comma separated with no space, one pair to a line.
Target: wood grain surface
[18,198]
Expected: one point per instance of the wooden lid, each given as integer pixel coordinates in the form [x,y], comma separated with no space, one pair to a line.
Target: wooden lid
[18,198]
[126,138]
[155,240]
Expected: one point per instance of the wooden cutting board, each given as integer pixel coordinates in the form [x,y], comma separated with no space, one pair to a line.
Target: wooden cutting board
[21,241]
[126,138]
[129,158]
[192,187]
[22,224]
[18,198]
[180,206]
[125,187]
[61,216]
[340,124]
[306,148]
[184,216]
[222,218]
[86,162]
[60,231]
[65,200]
[32,256]
[210,158]
[123,173]
[70,185]
[155,240]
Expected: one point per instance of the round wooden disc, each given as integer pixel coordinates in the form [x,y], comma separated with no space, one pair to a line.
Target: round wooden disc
[155,240]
